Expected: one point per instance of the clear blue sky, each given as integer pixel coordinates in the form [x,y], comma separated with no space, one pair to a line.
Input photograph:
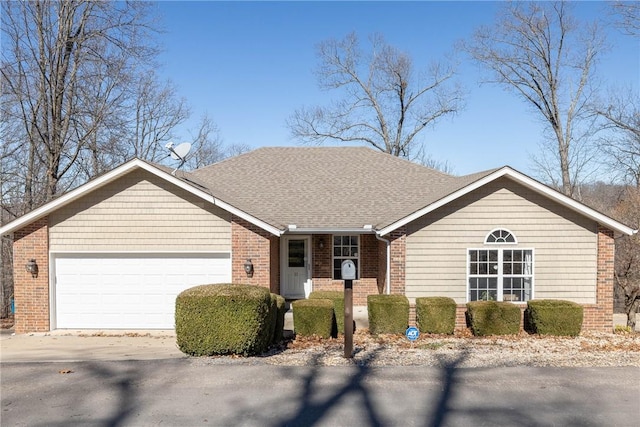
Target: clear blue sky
[249,65]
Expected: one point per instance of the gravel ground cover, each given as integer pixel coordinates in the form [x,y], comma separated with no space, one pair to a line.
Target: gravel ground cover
[462,350]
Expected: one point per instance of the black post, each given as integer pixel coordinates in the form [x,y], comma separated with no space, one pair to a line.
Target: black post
[348,319]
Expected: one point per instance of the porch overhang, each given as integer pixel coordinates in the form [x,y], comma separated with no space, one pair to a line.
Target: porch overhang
[293,229]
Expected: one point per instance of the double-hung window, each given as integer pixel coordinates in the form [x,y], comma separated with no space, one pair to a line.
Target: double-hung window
[345,247]
[500,273]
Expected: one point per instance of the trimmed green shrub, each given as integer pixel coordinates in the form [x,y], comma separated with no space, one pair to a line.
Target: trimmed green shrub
[224,319]
[493,318]
[281,309]
[436,315]
[554,317]
[388,314]
[338,305]
[313,317]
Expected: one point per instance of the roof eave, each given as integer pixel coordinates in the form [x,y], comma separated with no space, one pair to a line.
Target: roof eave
[73,195]
[247,217]
[527,182]
[116,173]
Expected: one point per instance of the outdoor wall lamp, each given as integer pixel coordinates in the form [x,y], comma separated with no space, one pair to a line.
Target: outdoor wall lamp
[321,243]
[32,267]
[248,267]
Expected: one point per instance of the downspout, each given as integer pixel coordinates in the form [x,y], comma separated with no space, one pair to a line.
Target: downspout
[388,278]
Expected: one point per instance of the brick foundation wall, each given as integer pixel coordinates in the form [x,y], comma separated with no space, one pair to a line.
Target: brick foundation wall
[251,242]
[31,294]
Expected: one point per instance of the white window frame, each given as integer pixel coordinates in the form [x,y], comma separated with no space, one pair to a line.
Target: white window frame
[500,276]
[487,242]
[334,257]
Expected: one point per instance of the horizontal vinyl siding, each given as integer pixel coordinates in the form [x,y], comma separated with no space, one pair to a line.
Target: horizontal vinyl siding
[140,212]
[564,243]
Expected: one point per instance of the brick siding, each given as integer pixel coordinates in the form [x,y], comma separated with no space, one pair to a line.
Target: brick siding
[322,265]
[262,248]
[31,295]
[398,240]
[382,266]
[599,316]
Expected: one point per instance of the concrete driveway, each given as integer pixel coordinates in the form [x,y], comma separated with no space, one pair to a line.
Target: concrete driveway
[67,346]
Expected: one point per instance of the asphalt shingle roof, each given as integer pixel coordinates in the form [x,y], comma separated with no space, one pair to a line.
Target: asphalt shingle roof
[326,187]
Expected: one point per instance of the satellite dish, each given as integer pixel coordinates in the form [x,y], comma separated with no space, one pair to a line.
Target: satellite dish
[180,152]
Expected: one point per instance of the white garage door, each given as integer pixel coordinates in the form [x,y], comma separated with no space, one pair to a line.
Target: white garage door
[129,291]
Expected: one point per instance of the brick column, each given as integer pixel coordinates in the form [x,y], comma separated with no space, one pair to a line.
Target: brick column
[599,317]
[398,240]
[251,242]
[31,294]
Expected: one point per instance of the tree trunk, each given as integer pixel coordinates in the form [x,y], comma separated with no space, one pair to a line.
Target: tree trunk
[632,310]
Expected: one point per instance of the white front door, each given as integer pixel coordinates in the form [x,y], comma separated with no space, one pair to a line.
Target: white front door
[296,266]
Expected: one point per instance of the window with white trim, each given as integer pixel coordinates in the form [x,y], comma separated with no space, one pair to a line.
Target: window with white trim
[500,274]
[499,236]
[345,247]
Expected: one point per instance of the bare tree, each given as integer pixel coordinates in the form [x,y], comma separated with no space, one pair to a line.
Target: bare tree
[622,144]
[623,203]
[49,57]
[627,264]
[236,149]
[158,111]
[422,157]
[627,15]
[540,52]
[384,103]
[208,147]
[206,144]
[64,71]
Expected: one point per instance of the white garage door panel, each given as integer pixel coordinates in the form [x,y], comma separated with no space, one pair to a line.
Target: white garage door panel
[129,292]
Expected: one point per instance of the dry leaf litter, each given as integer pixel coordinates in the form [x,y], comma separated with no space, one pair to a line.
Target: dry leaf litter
[462,349]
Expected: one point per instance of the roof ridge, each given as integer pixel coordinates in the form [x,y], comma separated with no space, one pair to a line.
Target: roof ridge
[370,150]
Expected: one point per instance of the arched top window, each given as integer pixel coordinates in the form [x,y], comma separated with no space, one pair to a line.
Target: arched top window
[500,236]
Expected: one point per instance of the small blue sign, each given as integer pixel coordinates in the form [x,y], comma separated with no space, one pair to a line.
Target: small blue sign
[412,333]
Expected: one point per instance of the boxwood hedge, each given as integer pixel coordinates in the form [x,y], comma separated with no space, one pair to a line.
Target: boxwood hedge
[338,305]
[493,318]
[436,315]
[388,314]
[224,319]
[554,317]
[280,310]
[313,317]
